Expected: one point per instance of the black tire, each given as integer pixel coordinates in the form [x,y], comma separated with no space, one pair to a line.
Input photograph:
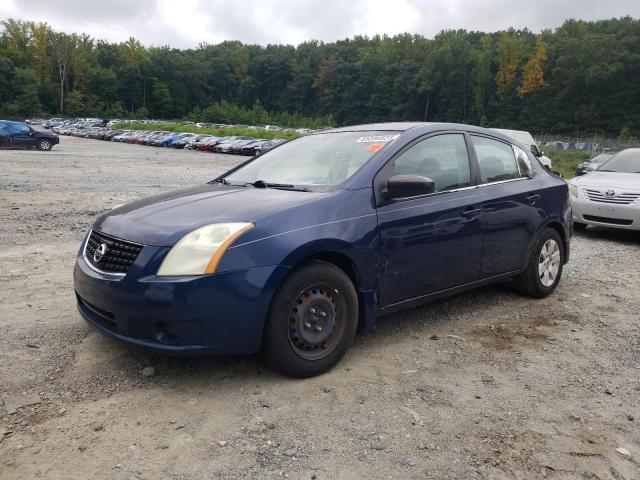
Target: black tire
[530,281]
[44,144]
[579,227]
[315,286]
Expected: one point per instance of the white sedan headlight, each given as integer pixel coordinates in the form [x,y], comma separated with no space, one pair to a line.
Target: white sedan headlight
[574,190]
[199,252]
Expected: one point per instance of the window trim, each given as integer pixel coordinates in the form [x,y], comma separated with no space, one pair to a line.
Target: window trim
[382,176]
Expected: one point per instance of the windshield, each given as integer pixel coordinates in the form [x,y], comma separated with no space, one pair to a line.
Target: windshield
[627,161]
[320,160]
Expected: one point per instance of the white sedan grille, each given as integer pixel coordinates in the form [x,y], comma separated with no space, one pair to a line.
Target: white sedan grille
[611,196]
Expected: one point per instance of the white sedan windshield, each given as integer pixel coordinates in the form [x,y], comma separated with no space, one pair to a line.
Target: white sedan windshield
[627,161]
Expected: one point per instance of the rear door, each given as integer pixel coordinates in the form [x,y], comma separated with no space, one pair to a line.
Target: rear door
[5,135]
[510,205]
[430,242]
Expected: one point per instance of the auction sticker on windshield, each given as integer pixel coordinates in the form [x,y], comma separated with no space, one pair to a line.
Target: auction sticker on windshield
[377,138]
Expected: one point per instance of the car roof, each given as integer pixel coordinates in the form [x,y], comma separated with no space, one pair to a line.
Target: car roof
[387,126]
[421,128]
[521,136]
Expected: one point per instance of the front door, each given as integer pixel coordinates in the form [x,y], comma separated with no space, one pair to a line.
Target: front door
[431,242]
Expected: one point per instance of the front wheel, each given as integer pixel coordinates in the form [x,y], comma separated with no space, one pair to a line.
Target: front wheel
[544,269]
[44,145]
[312,320]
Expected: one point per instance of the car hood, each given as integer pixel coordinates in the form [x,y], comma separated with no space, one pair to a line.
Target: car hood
[608,179]
[164,219]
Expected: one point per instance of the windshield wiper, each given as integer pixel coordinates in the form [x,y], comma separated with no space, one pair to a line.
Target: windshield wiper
[281,186]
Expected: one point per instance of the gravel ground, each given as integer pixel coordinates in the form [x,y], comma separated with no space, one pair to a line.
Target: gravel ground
[484,385]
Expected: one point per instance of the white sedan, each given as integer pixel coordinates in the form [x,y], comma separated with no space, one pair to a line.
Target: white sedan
[610,195]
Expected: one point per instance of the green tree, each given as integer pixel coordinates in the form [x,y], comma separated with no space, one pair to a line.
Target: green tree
[26,101]
[161,99]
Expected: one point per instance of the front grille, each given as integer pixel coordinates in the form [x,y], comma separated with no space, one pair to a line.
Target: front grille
[119,254]
[612,221]
[624,198]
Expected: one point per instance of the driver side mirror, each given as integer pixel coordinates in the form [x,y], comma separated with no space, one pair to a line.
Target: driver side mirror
[402,186]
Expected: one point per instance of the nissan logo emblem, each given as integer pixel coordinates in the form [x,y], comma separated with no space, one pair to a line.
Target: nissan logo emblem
[99,253]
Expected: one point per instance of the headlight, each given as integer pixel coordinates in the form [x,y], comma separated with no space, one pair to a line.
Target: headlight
[574,190]
[200,251]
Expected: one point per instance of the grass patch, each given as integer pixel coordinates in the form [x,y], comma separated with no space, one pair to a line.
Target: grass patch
[217,132]
[566,161]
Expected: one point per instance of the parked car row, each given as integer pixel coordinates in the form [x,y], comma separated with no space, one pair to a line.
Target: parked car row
[302,131]
[238,145]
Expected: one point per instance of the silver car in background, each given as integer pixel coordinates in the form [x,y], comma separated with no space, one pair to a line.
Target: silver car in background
[610,195]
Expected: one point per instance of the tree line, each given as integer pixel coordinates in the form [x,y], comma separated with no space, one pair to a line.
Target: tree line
[582,77]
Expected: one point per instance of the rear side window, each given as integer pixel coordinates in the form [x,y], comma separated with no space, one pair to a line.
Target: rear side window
[442,158]
[20,129]
[496,160]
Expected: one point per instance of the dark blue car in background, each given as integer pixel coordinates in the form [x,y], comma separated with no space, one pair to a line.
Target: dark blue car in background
[292,252]
[21,135]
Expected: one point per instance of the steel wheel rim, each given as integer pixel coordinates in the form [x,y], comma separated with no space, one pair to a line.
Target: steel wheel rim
[313,326]
[549,263]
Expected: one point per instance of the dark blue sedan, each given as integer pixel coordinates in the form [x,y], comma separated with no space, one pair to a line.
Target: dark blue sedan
[292,252]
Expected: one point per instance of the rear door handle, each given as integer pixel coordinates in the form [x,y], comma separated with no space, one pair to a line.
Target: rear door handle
[470,212]
[532,198]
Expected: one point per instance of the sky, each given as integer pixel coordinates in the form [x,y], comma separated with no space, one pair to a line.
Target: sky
[187,23]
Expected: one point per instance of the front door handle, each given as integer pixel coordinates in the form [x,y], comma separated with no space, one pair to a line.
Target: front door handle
[532,198]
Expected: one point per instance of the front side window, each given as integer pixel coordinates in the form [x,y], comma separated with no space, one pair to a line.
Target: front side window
[496,160]
[442,158]
[321,160]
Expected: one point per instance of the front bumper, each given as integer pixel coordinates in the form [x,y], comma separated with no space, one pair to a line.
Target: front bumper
[212,314]
[606,214]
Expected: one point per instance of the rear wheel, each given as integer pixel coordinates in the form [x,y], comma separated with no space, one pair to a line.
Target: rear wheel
[44,145]
[312,320]
[544,268]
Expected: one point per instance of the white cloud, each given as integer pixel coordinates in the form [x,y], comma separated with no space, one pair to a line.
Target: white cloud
[186,23]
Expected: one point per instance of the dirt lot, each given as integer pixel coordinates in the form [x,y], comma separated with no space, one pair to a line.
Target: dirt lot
[484,385]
